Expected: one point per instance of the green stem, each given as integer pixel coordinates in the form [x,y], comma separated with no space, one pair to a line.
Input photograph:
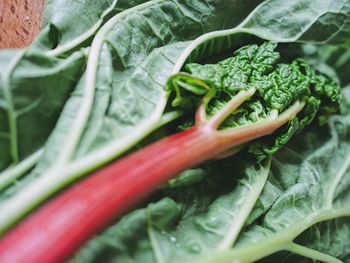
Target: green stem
[247,206]
[10,107]
[335,182]
[274,243]
[201,114]
[11,174]
[245,254]
[169,117]
[311,253]
[261,128]
[230,107]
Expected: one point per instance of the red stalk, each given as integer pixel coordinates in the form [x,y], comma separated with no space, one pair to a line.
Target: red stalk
[58,228]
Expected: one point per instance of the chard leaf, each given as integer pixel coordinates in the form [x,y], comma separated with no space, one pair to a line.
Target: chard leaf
[286,19]
[274,87]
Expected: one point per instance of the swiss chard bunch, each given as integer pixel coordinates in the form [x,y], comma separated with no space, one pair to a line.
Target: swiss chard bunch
[253,91]
[241,99]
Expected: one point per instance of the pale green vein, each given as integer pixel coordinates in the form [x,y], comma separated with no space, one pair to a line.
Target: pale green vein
[311,253]
[10,107]
[12,173]
[335,182]
[247,206]
[274,243]
[157,251]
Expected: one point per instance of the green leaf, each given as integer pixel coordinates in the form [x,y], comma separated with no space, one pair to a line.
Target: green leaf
[321,22]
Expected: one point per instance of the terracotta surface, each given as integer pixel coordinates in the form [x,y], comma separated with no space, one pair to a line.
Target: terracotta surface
[19,22]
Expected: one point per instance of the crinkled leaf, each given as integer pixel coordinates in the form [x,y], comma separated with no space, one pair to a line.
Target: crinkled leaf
[277,87]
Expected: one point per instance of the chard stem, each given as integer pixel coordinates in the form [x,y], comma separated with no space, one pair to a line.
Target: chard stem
[231,106]
[108,193]
[201,115]
[252,131]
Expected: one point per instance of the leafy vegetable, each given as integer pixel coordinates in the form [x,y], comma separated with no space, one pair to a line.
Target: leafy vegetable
[120,99]
[112,190]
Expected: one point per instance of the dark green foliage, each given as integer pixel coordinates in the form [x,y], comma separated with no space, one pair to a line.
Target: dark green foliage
[278,86]
[143,47]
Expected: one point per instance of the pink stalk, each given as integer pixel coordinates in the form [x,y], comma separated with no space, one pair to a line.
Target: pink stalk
[60,227]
